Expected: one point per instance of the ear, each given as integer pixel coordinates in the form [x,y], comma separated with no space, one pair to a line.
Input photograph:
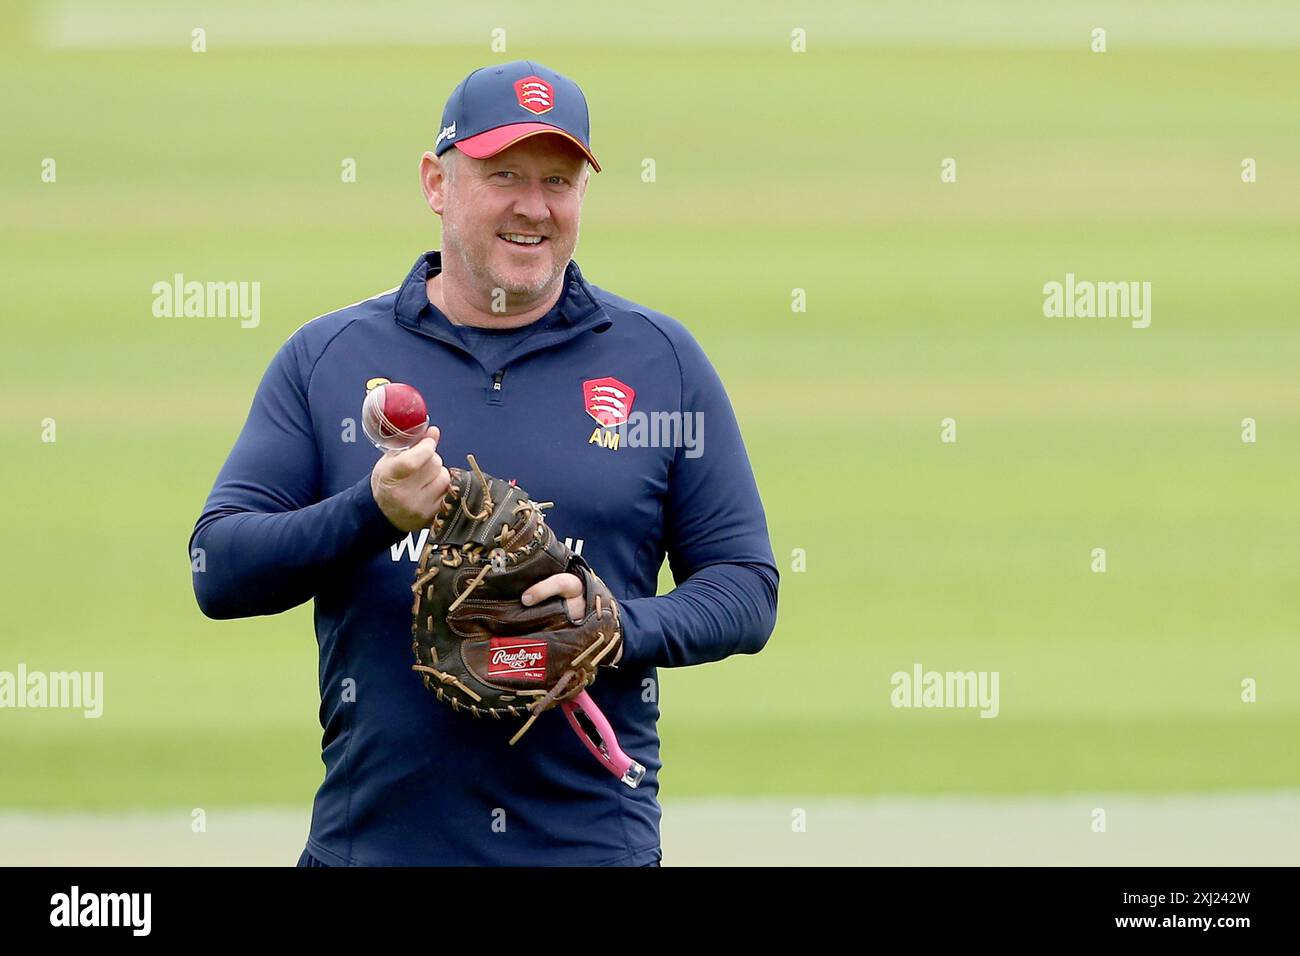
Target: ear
[433,182]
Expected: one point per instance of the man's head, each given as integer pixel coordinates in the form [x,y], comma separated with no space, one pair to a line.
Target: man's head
[532,189]
[507,174]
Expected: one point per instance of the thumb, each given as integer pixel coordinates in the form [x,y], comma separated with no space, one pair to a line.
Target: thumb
[411,460]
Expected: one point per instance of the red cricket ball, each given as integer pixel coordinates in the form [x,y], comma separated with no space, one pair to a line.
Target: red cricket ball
[394,416]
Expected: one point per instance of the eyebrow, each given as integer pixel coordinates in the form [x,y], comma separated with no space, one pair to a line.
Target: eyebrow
[515,165]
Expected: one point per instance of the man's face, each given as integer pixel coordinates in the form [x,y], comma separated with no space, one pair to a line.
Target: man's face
[532,189]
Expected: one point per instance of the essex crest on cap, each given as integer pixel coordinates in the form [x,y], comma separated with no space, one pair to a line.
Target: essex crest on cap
[535,94]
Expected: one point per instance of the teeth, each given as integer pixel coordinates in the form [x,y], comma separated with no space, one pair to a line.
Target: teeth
[526,240]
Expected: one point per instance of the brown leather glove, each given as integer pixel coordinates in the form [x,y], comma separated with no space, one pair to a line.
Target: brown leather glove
[477,646]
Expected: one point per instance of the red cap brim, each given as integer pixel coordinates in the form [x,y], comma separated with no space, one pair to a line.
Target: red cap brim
[494,140]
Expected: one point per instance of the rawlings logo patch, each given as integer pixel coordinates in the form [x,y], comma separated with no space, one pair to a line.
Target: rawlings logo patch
[511,657]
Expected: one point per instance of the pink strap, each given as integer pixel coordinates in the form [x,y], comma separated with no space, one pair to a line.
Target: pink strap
[605,746]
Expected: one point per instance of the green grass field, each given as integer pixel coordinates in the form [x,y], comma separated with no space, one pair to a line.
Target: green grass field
[775,171]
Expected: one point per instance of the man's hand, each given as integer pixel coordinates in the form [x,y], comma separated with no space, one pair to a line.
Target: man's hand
[567,585]
[409,485]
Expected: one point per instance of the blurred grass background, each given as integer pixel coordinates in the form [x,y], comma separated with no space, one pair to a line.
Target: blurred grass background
[775,170]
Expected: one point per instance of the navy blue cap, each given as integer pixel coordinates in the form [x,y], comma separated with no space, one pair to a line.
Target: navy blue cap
[497,106]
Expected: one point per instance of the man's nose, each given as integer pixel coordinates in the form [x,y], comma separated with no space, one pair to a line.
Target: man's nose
[530,203]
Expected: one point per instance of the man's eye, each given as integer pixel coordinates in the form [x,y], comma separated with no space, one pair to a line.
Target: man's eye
[559,180]
[504,172]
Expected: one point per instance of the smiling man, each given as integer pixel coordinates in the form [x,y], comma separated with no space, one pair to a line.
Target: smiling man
[532,369]
[512,225]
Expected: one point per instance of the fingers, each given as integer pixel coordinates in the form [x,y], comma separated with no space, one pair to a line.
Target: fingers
[565,585]
[409,485]
[423,454]
[439,486]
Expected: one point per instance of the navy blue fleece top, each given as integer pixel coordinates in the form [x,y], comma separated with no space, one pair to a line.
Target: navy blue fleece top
[291,518]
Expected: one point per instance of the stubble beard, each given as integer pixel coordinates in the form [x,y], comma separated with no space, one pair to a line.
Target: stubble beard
[479,267]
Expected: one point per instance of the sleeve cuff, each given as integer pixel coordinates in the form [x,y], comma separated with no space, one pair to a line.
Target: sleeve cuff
[633,637]
[374,530]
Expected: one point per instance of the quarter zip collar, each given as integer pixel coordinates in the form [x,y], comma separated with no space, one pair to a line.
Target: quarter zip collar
[575,312]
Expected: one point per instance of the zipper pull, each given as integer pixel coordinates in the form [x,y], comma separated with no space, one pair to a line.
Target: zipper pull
[496,380]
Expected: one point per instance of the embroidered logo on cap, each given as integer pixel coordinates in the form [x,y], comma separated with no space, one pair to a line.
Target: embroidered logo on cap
[522,660]
[608,400]
[535,94]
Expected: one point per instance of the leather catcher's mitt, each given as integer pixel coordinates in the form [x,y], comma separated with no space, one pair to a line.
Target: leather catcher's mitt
[476,645]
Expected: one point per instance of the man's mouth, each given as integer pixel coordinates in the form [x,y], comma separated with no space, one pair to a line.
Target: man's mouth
[521,240]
